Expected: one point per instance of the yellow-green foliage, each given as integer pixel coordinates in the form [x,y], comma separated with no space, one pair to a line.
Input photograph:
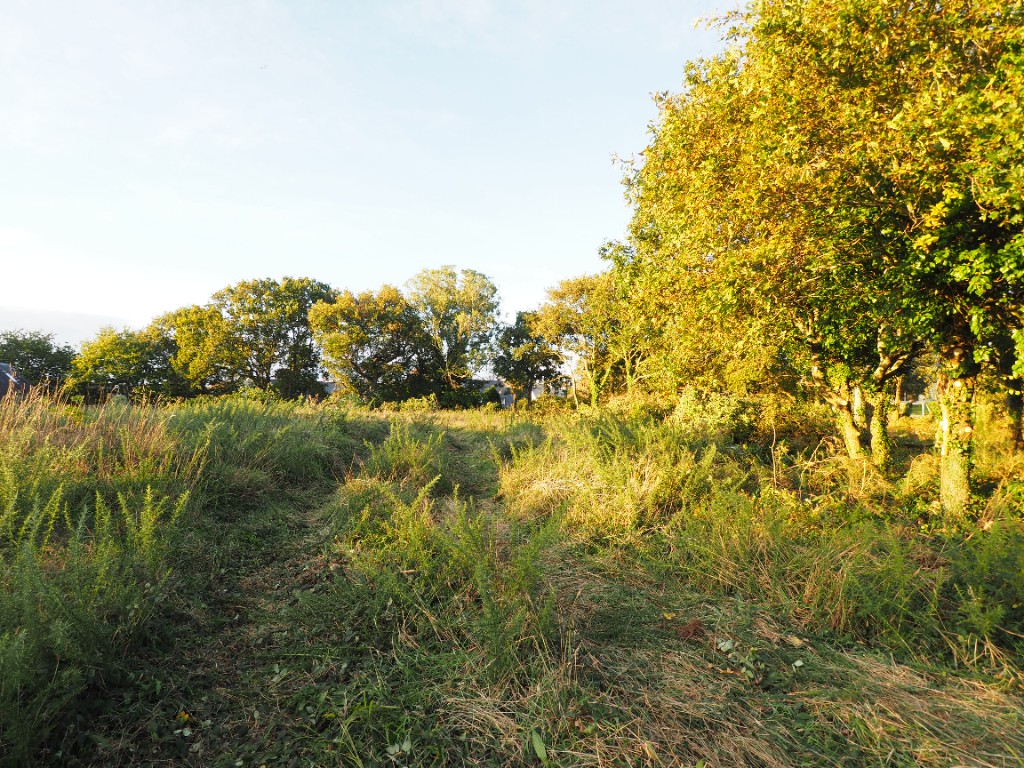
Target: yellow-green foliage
[614,478]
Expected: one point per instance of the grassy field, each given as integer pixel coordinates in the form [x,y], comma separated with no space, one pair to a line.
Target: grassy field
[242,583]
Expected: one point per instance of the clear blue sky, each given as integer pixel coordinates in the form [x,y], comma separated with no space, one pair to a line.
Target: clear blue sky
[154,151]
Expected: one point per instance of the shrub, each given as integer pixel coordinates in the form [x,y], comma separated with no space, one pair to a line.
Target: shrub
[713,417]
[423,404]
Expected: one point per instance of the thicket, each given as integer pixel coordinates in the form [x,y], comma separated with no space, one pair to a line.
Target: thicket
[830,199]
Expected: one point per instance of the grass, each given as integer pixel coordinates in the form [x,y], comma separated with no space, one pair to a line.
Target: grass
[88,505]
[478,588]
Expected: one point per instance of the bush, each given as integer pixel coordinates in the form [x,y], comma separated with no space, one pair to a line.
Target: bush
[547,405]
[419,404]
[711,416]
[987,586]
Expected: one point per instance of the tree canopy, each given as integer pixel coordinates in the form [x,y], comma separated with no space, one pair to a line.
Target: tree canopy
[847,178]
[523,357]
[127,361]
[458,312]
[36,356]
[374,345]
[389,345]
[255,332]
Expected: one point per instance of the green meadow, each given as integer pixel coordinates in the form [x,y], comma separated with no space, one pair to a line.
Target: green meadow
[245,582]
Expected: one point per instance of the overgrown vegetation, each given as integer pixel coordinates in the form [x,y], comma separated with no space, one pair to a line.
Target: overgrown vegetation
[236,581]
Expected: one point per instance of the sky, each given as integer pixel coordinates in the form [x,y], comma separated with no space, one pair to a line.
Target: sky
[153,152]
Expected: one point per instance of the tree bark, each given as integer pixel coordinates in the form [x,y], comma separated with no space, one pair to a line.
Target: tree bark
[860,417]
[840,400]
[849,430]
[881,443]
[956,441]
[897,401]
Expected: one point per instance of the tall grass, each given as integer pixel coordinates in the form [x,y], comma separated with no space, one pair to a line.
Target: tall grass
[545,620]
[826,541]
[438,593]
[482,588]
[462,572]
[88,503]
[97,502]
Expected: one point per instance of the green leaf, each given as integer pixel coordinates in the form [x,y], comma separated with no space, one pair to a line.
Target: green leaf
[538,746]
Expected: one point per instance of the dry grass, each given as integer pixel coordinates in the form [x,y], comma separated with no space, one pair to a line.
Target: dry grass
[904,716]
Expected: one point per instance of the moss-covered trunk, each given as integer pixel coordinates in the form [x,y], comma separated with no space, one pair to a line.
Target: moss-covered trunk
[881,443]
[956,442]
[836,391]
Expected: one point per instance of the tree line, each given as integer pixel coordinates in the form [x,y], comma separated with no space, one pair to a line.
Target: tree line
[428,340]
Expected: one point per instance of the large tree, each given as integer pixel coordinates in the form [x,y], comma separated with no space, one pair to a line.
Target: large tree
[925,101]
[36,356]
[205,354]
[255,332]
[134,363]
[458,312]
[391,345]
[847,173]
[588,319]
[523,357]
[375,345]
[268,323]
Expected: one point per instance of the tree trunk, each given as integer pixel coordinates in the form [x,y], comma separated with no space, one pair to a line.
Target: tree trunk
[860,417]
[849,430]
[881,443]
[897,401]
[840,400]
[1015,407]
[956,433]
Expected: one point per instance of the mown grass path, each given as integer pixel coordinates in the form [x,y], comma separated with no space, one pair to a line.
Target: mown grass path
[208,697]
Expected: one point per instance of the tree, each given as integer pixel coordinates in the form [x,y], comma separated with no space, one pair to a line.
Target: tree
[730,239]
[205,352]
[134,362]
[522,357]
[375,346]
[925,100]
[458,312]
[588,320]
[847,175]
[36,356]
[255,331]
[428,341]
[268,325]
